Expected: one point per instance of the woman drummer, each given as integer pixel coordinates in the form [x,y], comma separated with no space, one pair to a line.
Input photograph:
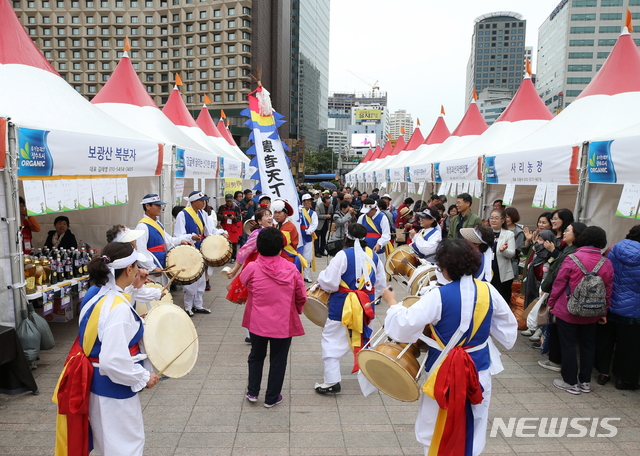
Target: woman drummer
[110,339]
[425,241]
[247,253]
[354,277]
[461,314]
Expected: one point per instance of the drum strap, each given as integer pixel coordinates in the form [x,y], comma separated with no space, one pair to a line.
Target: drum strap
[151,222]
[196,218]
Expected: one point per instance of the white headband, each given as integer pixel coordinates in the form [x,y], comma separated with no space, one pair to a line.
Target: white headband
[120,234]
[195,197]
[477,233]
[122,263]
[151,199]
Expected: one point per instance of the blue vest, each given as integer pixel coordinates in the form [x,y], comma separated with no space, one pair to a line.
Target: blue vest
[480,272]
[306,238]
[190,225]
[336,300]
[426,238]
[450,322]
[155,240]
[377,221]
[102,385]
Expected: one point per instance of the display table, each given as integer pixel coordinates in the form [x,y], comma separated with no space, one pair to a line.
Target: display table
[15,374]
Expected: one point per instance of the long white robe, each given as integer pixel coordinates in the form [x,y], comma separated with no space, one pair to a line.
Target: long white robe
[404,324]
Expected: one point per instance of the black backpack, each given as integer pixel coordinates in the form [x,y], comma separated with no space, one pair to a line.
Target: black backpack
[589,297]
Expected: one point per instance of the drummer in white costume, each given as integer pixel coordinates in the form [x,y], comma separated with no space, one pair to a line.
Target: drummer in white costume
[462,315]
[193,221]
[378,228]
[308,226]
[355,272]
[425,242]
[115,414]
[154,242]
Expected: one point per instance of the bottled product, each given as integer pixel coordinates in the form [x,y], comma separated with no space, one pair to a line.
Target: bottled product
[30,274]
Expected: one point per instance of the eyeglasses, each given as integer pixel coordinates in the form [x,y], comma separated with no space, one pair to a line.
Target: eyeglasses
[495,218]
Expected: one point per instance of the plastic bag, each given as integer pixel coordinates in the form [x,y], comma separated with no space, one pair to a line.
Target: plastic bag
[47,342]
[29,338]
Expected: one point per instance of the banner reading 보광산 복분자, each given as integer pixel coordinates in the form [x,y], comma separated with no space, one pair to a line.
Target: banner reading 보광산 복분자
[54,153]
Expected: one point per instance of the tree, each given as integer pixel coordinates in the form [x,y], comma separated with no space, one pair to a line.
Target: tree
[320,162]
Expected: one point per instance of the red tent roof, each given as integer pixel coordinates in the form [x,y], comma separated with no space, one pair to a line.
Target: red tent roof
[177,111]
[388,148]
[368,155]
[526,105]
[400,146]
[439,133]
[376,153]
[620,73]
[472,123]
[16,47]
[224,131]
[124,86]
[416,140]
[207,124]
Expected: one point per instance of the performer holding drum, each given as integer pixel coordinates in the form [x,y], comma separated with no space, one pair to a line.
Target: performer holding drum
[154,242]
[425,241]
[281,212]
[308,226]
[355,276]
[108,350]
[461,316]
[193,220]
[377,226]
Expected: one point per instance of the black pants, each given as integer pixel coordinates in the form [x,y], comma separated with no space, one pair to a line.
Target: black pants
[555,353]
[277,365]
[584,336]
[620,343]
[321,241]
[504,288]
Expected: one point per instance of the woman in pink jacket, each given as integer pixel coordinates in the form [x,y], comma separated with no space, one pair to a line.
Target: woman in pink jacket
[276,297]
[573,329]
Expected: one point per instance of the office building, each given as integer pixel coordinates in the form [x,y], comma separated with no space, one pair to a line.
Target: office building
[401,120]
[497,53]
[214,45]
[309,70]
[368,127]
[573,43]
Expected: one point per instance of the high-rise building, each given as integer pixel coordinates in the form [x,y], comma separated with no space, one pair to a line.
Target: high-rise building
[497,53]
[369,126]
[573,43]
[398,121]
[310,70]
[215,46]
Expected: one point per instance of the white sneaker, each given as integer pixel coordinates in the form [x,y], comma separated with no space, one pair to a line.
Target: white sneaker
[585,387]
[536,335]
[528,332]
[549,365]
[573,389]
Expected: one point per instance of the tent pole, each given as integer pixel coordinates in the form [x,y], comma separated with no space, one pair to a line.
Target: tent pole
[483,196]
[583,185]
[15,235]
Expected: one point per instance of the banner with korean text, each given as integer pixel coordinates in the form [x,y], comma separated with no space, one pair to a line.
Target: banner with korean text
[55,153]
[191,164]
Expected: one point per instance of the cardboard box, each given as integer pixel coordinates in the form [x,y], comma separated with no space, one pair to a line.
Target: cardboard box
[60,315]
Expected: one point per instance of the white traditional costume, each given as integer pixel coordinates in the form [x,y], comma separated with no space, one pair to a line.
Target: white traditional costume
[308,226]
[462,315]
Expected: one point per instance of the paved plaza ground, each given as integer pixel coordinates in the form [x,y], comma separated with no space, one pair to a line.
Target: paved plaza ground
[206,413]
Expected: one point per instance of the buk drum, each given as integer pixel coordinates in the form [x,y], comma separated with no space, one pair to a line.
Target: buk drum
[216,250]
[170,340]
[188,258]
[142,308]
[401,264]
[424,275]
[316,308]
[393,367]
[249,226]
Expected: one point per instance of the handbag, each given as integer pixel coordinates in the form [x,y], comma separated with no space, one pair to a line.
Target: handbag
[333,247]
[543,311]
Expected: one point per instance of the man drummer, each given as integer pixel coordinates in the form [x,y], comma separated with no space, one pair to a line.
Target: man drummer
[308,225]
[354,277]
[281,211]
[377,226]
[154,242]
[193,220]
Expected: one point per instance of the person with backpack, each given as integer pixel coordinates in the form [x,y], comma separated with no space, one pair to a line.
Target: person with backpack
[579,299]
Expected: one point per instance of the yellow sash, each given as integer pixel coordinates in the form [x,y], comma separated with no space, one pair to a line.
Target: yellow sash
[151,222]
[194,215]
[307,217]
[388,248]
[314,236]
[480,312]
[352,314]
[293,252]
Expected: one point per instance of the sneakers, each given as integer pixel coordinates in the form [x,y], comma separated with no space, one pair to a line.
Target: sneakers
[535,337]
[561,384]
[528,332]
[189,312]
[275,403]
[549,365]
[585,387]
[247,340]
[308,280]
[325,389]
[251,398]
[201,310]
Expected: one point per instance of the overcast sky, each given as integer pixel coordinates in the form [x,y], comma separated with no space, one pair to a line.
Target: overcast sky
[417,50]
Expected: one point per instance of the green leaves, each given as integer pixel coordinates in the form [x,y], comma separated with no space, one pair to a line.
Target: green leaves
[592,160]
[24,153]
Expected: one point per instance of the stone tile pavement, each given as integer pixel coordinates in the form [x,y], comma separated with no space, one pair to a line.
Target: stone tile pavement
[205,413]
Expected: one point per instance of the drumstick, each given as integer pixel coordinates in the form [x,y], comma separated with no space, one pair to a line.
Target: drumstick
[167,269]
[171,280]
[176,358]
